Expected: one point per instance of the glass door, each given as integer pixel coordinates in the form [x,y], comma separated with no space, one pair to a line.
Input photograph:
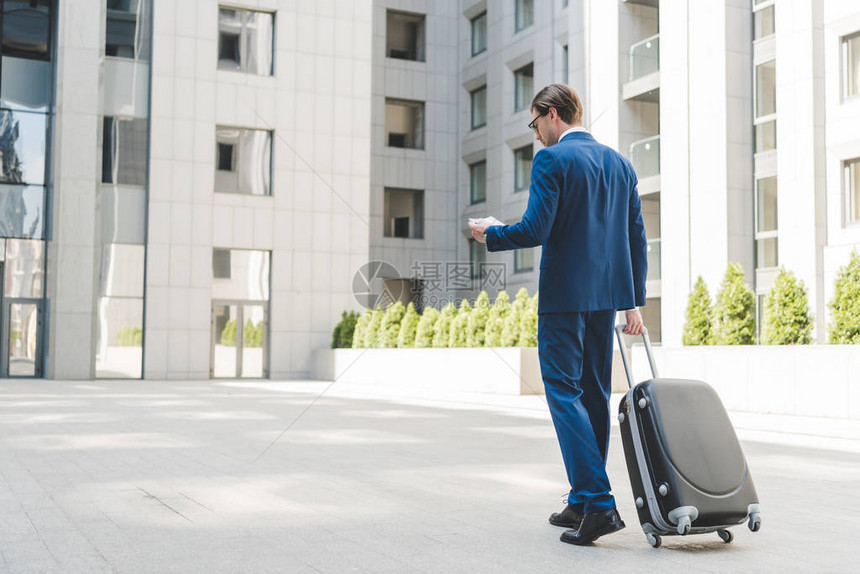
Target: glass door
[239,340]
[22,343]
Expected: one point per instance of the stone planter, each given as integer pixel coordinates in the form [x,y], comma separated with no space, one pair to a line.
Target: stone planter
[505,370]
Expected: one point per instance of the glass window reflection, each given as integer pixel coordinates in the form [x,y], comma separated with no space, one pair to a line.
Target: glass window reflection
[127,33]
[25,84]
[23,339]
[22,147]
[124,151]
[250,161]
[248,279]
[22,211]
[245,41]
[27,28]
[120,338]
[24,272]
[121,273]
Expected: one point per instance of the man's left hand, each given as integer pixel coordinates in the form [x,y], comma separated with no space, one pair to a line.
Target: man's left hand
[480,226]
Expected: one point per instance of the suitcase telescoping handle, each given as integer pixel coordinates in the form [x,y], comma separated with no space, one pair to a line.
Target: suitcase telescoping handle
[626,360]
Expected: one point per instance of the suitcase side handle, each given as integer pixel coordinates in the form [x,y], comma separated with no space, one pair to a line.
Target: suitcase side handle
[626,360]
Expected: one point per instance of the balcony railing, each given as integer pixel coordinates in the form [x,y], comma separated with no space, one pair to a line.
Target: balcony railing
[645,57]
[645,157]
[653,259]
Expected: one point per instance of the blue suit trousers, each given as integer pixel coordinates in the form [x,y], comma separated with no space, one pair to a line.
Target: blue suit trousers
[575,351]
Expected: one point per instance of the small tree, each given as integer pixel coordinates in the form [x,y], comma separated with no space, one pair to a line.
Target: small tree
[511,328]
[496,321]
[442,336]
[844,328]
[228,335]
[390,326]
[529,324]
[371,336]
[458,336]
[343,333]
[427,328]
[697,329]
[358,336]
[786,312]
[733,320]
[477,323]
[408,327]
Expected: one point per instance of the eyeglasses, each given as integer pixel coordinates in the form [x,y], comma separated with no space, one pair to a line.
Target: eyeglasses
[532,125]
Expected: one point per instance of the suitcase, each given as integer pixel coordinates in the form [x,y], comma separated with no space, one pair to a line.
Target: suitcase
[688,472]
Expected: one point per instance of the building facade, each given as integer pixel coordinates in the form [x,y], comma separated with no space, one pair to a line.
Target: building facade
[189,188]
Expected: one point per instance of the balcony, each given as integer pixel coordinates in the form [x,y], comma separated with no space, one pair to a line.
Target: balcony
[643,83]
[645,157]
[653,259]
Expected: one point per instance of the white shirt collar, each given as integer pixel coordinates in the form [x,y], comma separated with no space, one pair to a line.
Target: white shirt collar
[571,130]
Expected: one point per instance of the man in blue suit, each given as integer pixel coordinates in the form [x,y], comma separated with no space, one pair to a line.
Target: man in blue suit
[584,209]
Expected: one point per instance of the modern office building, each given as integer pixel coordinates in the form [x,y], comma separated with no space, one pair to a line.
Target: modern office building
[189,188]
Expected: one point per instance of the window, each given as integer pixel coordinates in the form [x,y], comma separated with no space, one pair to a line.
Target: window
[404,213]
[479,107]
[523,87]
[764,23]
[127,30]
[478,182]
[404,36]
[245,40]
[220,263]
[22,147]
[479,34]
[25,84]
[243,161]
[765,107]
[522,167]
[404,124]
[524,260]
[27,29]
[477,258]
[124,151]
[564,64]
[766,223]
[852,191]
[851,66]
[525,14]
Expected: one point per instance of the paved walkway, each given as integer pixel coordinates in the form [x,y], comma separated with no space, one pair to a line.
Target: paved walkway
[193,477]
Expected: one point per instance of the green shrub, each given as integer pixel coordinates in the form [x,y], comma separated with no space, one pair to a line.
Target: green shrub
[358,336]
[427,328]
[390,327]
[228,335]
[458,336]
[511,328]
[442,336]
[372,334]
[253,334]
[733,320]
[344,332]
[130,337]
[697,329]
[786,312]
[408,327]
[529,324]
[844,328]
[499,312]
[477,324]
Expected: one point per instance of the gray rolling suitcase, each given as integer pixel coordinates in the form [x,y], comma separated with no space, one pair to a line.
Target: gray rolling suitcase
[688,472]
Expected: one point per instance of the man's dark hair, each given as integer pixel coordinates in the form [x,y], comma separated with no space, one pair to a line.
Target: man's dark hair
[561,97]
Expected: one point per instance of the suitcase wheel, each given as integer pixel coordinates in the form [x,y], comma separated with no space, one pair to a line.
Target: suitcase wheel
[654,540]
[755,522]
[684,525]
[726,536]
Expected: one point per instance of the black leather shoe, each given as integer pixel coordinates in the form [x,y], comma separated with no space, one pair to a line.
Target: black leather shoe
[568,518]
[594,525]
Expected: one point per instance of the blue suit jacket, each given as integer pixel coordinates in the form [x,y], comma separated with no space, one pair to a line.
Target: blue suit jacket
[585,210]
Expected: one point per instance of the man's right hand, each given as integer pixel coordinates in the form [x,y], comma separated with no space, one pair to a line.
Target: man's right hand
[634,322]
